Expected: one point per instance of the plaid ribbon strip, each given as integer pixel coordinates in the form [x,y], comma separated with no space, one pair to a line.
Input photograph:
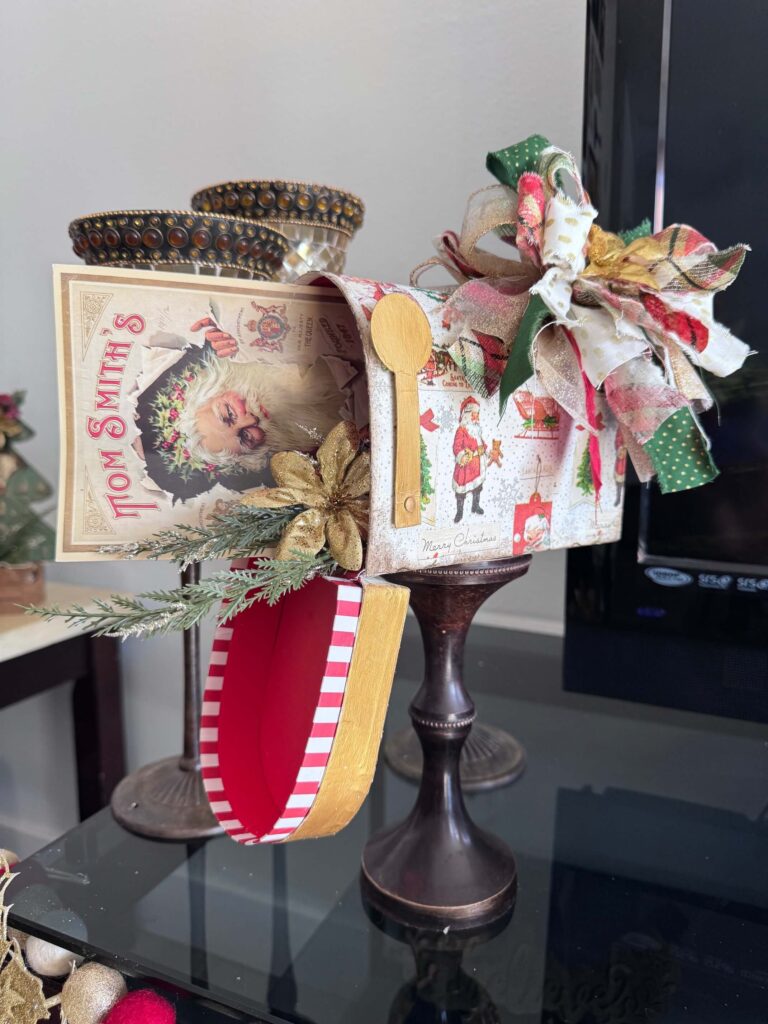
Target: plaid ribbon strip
[481,359]
[686,261]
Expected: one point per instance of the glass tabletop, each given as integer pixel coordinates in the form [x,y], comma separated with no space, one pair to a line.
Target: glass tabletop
[642,847]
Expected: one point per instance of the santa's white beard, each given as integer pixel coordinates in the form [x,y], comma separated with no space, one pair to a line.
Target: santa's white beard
[303,403]
[473,429]
[302,409]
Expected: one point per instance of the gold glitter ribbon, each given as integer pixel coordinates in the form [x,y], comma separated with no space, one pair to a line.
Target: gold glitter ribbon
[610,258]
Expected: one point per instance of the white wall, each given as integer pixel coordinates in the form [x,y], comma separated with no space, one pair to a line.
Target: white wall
[109,104]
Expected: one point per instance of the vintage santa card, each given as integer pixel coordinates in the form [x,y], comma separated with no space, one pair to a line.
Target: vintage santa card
[177,390]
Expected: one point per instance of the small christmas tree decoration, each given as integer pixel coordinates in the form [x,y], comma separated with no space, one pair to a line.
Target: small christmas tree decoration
[25,539]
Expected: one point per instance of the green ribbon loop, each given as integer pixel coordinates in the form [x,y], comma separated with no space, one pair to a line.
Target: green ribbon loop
[508,164]
[679,455]
[519,367]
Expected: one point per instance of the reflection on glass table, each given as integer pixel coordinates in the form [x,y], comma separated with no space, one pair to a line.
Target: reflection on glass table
[641,845]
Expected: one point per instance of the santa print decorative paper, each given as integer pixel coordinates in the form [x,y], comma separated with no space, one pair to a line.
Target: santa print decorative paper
[176,390]
[294,708]
[477,467]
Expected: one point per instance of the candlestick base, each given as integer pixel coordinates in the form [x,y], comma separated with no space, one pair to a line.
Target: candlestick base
[438,864]
[165,800]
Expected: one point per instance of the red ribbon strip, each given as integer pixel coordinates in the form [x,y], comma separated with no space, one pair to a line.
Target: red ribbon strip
[589,399]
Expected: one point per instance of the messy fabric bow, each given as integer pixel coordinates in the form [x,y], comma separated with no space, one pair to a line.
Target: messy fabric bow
[584,309]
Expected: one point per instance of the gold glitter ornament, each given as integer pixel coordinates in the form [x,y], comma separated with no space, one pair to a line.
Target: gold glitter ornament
[89,994]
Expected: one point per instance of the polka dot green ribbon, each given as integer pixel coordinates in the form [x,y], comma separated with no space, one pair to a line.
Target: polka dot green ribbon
[679,455]
[508,164]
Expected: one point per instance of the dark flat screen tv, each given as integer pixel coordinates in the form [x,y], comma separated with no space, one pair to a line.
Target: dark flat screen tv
[675,129]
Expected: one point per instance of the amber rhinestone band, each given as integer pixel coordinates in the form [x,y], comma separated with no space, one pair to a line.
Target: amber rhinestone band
[169,237]
[283,202]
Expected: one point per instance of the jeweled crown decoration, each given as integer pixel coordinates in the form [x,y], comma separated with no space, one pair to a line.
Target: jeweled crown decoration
[321,205]
[130,237]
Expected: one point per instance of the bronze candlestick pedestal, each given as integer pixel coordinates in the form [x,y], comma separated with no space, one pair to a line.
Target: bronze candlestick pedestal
[166,800]
[437,864]
[489,759]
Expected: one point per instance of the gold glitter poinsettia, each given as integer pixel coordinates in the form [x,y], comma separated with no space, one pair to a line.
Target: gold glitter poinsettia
[334,489]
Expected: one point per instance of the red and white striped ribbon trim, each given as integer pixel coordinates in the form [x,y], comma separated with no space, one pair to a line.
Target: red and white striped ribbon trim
[325,723]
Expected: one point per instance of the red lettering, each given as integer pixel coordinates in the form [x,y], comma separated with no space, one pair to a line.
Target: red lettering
[112,426]
[111,460]
[118,481]
[105,368]
[114,350]
[133,322]
[124,508]
[107,399]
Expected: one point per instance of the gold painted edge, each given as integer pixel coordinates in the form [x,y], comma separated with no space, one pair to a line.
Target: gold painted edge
[355,751]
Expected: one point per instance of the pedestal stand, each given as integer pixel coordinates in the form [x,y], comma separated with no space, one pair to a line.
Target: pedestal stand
[166,800]
[489,759]
[438,864]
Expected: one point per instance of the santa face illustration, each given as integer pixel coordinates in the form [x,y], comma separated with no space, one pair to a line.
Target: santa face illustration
[219,418]
[239,414]
[536,532]
[469,450]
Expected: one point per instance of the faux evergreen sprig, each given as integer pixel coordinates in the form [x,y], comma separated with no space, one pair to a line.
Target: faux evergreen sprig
[240,532]
[123,616]
[315,518]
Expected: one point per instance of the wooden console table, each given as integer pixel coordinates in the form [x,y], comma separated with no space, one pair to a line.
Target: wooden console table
[36,656]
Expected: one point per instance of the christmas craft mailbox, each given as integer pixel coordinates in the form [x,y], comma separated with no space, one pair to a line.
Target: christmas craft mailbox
[184,397]
[546,371]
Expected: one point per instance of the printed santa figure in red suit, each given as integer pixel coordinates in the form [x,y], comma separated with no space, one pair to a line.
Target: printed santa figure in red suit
[469,451]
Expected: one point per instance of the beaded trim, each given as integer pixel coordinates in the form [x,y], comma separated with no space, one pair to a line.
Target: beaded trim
[173,237]
[284,202]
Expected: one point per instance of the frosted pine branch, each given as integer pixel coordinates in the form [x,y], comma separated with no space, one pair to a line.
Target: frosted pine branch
[240,532]
[171,610]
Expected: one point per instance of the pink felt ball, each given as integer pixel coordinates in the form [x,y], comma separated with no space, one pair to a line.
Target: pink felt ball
[142,1007]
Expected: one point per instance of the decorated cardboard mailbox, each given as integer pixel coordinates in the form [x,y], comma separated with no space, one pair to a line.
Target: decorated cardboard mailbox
[185,397]
[146,406]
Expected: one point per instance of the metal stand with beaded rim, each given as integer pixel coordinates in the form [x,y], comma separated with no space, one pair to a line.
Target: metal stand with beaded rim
[180,240]
[166,800]
[318,220]
[437,865]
